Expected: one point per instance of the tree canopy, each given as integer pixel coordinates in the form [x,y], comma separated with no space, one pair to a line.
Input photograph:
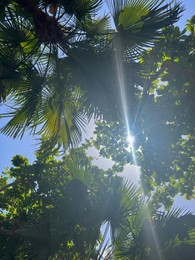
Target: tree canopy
[55,80]
[63,63]
[164,124]
[55,209]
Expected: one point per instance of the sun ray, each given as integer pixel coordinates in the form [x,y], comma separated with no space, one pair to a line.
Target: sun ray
[130,137]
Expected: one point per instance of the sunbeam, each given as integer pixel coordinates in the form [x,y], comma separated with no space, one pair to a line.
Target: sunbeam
[130,138]
[121,84]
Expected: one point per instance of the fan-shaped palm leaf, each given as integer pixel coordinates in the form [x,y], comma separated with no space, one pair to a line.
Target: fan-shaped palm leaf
[86,44]
[120,202]
[139,22]
[161,235]
[96,73]
[58,115]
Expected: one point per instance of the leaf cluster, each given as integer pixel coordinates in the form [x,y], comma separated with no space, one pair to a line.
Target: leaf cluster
[163,126]
[55,81]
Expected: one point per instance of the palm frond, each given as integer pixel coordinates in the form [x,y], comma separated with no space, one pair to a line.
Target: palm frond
[62,117]
[147,236]
[16,30]
[121,202]
[94,28]
[10,79]
[82,8]
[139,22]
[27,95]
[95,71]
[46,100]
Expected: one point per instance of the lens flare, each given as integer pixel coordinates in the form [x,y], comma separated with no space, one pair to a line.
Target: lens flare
[130,139]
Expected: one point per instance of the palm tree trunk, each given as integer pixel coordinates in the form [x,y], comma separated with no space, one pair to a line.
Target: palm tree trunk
[47,27]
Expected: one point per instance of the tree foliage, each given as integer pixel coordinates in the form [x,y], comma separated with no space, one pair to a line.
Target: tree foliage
[55,210]
[163,124]
[55,80]
[61,63]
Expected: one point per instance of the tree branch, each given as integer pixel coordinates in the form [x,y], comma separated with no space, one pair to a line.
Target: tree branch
[4,187]
[175,68]
[47,27]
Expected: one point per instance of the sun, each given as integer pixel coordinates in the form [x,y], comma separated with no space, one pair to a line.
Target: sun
[130,139]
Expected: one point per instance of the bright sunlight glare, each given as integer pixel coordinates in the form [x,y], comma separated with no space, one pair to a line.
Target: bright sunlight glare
[130,139]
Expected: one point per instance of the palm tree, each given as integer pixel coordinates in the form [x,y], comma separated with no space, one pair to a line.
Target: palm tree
[59,212]
[162,235]
[77,208]
[58,61]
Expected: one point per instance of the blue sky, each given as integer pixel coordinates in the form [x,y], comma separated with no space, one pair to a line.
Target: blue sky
[188,13]
[27,146]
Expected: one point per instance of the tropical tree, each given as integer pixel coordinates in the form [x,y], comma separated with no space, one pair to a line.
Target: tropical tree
[60,65]
[55,209]
[163,127]
[52,55]
[174,129]
[63,209]
[168,236]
